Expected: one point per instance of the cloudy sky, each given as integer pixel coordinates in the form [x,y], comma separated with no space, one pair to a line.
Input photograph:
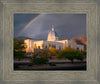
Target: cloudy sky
[38,25]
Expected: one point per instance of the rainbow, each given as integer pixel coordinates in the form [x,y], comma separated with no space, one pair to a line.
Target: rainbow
[29,23]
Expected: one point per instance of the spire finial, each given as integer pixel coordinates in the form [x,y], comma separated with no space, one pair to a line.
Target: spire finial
[52,27]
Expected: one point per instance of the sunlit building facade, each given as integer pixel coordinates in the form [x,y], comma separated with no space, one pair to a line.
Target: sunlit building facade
[52,41]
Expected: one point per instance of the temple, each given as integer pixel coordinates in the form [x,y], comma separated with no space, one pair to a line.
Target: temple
[52,41]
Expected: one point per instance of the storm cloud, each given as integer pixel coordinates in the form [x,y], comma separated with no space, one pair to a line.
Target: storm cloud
[66,25]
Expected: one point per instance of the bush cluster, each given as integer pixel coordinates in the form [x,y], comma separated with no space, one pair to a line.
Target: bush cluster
[70,54]
[19,48]
[40,60]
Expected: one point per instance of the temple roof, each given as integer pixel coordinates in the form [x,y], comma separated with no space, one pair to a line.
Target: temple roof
[52,34]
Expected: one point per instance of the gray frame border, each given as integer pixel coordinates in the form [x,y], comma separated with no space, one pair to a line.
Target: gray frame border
[7,36]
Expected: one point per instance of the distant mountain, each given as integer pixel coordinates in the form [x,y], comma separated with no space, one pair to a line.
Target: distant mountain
[79,40]
[22,38]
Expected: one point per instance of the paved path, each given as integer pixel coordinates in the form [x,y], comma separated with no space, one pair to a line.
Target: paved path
[52,60]
[66,66]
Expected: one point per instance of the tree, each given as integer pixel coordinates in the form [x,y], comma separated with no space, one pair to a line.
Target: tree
[18,45]
[79,57]
[84,53]
[74,54]
[68,48]
[54,51]
[61,55]
[49,55]
[40,60]
[19,49]
[19,55]
[70,54]
[44,53]
[35,54]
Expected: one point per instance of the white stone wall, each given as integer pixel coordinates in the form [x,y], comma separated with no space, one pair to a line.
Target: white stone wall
[38,44]
[57,44]
[76,46]
[54,43]
[29,45]
[64,42]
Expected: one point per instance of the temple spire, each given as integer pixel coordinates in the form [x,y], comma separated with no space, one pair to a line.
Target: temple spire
[52,27]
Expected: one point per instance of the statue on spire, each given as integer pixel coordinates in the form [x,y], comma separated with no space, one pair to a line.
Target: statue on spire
[52,27]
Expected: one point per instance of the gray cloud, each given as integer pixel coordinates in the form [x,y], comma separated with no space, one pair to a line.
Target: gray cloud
[66,25]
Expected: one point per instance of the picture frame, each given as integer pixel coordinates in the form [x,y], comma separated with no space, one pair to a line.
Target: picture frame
[90,8]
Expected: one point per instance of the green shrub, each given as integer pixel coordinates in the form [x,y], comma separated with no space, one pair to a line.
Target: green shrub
[54,51]
[19,48]
[70,54]
[41,60]
[79,57]
[19,55]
